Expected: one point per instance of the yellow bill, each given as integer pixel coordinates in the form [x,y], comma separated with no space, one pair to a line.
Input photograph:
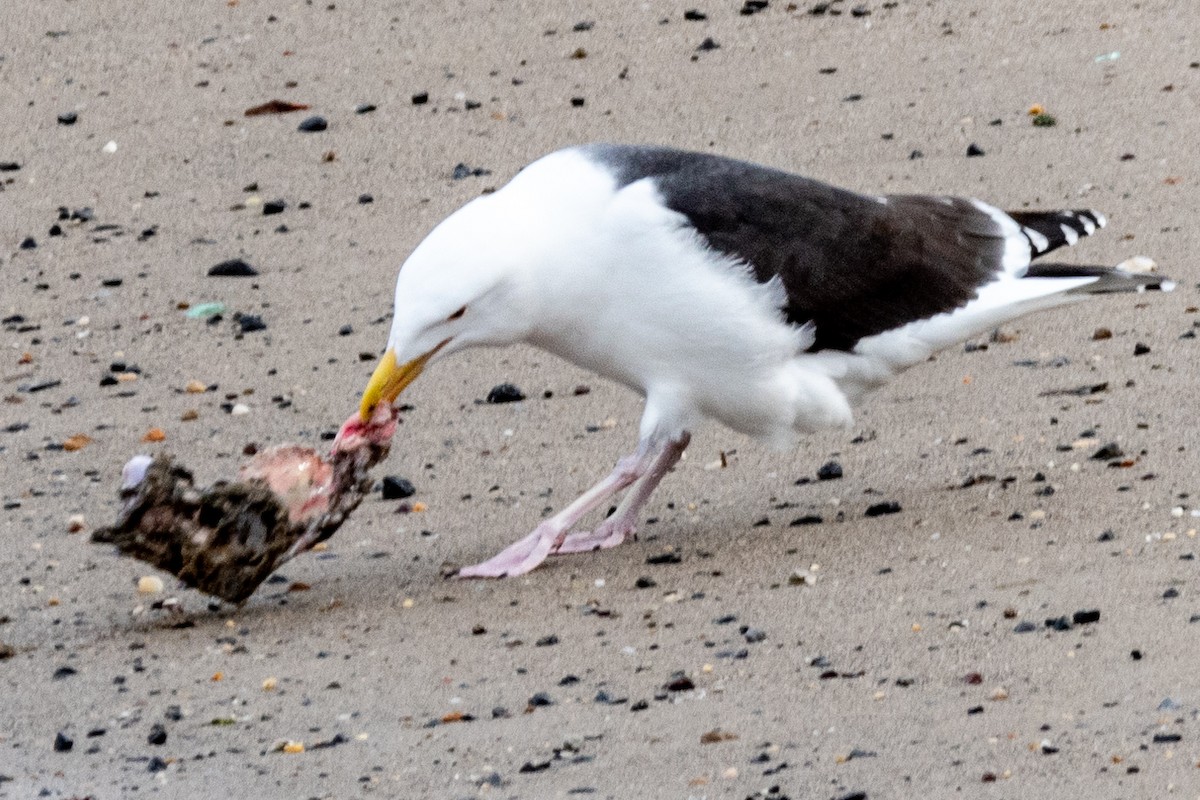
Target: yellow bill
[390,379]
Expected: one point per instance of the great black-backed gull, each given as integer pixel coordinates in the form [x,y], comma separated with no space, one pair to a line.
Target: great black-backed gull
[768,301]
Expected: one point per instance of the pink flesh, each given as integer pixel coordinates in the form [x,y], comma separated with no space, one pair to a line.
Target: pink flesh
[302,479]
[298,475]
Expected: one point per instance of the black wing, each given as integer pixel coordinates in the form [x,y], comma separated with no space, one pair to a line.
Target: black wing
[852,265]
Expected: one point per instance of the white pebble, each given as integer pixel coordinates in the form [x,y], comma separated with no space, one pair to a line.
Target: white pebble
[110,148]
[240,409]
[149,584]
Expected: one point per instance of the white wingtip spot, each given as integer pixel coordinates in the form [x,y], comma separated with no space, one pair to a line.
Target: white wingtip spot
[1069,234]
[1039,242]
[1101,220]
[1089,227]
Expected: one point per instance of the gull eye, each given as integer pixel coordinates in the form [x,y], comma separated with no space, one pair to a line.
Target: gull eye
[457,314]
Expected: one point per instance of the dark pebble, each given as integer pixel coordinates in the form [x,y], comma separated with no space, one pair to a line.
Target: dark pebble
[586,25]
[273,207]
[156,764]
[829,471]
[364,199]
[462,171]
[807,519]
[68,118]
[568,680]
[313,125]
[55,230]
[109,380]
[1086,617]
[1059,623]
[500,712]
[248,323]
[28,243]
[1025,627]
[1136,655]
[64,672]
[644,582]
[1170,594]
[505,393]
[1140,349]
[345,330]
[420,98]
[158,734]
[1106,536]
[694,15]
[547,641]
[1110,450]
[577,102]
[754,635]
[708,44]
[529,767]
[886,507]
[173,713]
[854,796]
[233,268]
[679,683]
[664,558]
[540,699]
[640,705]
[364,108]
[63,743]
[974,150]
[1167,738]
[753,7]
[860,11]
[397,488]
[9,166]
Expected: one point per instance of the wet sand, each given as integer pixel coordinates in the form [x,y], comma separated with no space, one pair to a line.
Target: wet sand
[924,653]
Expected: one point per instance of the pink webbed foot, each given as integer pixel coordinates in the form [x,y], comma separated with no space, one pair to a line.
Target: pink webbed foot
[519,557]
[605,536]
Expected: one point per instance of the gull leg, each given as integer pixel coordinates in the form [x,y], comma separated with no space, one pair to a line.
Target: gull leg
[622,523]
[526,554]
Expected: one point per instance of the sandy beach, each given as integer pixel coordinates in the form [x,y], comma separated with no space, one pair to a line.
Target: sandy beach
[1024,624]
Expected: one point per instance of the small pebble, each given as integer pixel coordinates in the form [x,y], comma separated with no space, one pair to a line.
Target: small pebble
[313,125]
[63,743]
[397,488]
[149,584]
[829,471]
[233,268]
[76,523]
[420,98]
[68,118]
[158,734]
[974,150]
[505,393]
[239,409]
[273,207]
[364,108]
